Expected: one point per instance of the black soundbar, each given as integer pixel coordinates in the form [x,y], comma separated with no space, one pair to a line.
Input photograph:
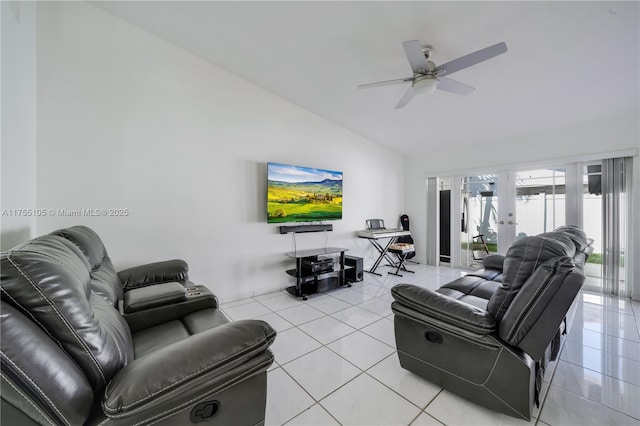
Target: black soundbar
[305,228]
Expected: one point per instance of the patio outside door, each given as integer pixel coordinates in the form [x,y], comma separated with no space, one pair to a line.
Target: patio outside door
[508,205]
[478,228]
[496,209]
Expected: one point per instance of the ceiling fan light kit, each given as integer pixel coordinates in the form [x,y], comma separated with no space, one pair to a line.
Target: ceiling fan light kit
[425,84]
[427,76]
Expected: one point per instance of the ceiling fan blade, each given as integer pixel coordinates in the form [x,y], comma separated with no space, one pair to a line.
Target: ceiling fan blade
[471,59]
[453,86]
[385,83]
[415,55]
[408,95]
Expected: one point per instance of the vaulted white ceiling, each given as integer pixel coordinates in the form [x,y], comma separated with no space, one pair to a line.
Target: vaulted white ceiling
[568,63]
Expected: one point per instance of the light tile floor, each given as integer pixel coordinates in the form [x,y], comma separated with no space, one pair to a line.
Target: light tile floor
[336,362]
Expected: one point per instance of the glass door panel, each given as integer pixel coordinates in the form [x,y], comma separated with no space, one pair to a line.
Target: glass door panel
[592,195]
[479,229]
[540,201]
[592,223]
[606,213]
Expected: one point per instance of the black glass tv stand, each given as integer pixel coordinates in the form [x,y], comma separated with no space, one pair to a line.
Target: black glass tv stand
[317,271]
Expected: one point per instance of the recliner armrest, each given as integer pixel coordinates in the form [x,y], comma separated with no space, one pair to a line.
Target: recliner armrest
[154,273]
[444,308]
[171,378]
[142,298]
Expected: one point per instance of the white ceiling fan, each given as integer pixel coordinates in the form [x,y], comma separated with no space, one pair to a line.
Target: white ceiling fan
[427,76]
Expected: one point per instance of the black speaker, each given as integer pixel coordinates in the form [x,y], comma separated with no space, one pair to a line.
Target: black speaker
[594,176]
[356,272]
[305,228]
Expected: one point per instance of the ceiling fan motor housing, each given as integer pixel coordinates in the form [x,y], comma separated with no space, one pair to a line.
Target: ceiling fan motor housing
[430,69]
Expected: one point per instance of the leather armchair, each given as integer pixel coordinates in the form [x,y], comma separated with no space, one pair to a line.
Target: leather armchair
[70,356]
[489,335]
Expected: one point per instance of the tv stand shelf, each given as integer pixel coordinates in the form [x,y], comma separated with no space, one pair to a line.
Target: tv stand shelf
[310,282]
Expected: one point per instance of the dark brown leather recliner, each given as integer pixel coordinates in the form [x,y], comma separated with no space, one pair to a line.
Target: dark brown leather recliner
[77,351]
[488,336]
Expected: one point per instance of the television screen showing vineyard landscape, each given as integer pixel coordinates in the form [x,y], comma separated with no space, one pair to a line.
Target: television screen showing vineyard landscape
[302,194]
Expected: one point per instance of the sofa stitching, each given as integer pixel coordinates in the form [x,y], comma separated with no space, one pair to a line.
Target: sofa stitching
[116,342]
[482,385]
[213,391]
[454,331]
[493,367]
[446,371]
[535,303]
[444,314]
[176,384]
[199,397]
[536,294]
[52,258]
[35,386]
[44,329]
[467,380]
[247,374]
[27,399]
[498,397]
[27,312]
[512,289]
[62,318]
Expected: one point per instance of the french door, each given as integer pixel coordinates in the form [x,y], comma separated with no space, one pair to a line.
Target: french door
[488,212]
[496,209]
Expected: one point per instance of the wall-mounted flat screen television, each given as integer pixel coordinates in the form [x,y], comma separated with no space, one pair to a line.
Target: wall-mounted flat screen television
[302,194]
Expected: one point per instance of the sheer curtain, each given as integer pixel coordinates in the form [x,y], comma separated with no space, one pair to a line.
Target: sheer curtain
[616,212]
[432,221]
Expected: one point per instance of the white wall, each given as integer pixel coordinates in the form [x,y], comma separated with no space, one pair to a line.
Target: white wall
[590,141]
[126,120]
[634,229]
[18,132]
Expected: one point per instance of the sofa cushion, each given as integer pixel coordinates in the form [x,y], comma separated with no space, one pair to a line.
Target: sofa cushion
[463,285]
[576,234]
[485,290]
[475,288]
[204,319]
[34,363]
[533,298]
[522,258]
[153,338]
[494,262]
[411,298]
[48,277]
[213,360]
[104,279]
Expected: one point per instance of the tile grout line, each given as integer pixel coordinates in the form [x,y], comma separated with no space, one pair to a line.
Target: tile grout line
[589,400]
[385,317]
